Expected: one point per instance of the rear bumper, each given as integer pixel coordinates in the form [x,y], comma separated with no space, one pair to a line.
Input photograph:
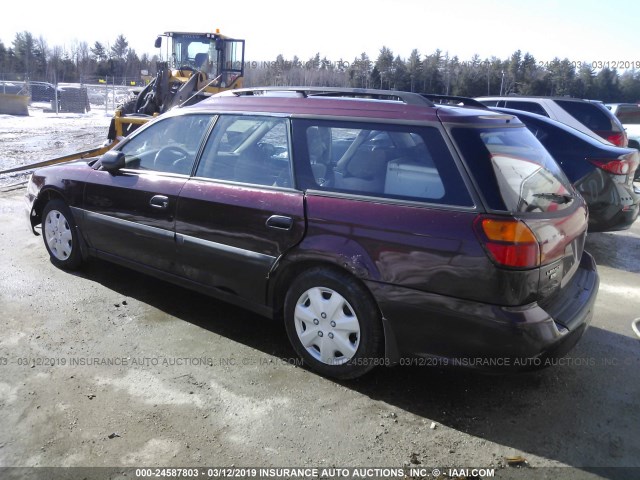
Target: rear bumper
[612,205]
[472,334]
[612,218]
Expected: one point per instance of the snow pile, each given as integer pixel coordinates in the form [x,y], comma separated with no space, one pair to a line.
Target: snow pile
[43,136]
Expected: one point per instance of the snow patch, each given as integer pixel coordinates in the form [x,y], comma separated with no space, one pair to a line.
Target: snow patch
[150,389]
[151,451]
[8,394]
[622,290]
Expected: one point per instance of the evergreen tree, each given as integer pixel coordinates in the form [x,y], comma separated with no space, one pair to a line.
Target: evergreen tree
[120,48]
[23,48]
[99,52]
[414,69]
[432,73]
[384,65]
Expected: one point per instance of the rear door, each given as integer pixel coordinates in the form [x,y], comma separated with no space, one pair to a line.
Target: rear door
[130,214]
[240,212]
[391,207]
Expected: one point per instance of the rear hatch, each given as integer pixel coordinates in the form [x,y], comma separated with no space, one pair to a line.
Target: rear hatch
[535,219]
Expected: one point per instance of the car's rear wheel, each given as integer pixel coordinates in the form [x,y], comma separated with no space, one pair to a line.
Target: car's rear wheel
[333,324]
[60,235]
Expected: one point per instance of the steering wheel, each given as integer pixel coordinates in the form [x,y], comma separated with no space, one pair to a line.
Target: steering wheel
[167,158]
[267,149]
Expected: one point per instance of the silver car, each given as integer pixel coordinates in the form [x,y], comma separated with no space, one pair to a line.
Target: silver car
[588,116]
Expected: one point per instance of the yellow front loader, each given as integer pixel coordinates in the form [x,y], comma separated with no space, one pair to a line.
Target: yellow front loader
[197,66]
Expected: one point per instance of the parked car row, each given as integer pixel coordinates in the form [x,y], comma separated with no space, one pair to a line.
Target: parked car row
[39,91]
[602,172]
[629,116]
[588,116]
[377,225]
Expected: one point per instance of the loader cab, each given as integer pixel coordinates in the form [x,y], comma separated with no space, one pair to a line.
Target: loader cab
[220,58]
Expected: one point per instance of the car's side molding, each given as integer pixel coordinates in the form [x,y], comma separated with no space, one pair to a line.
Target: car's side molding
[132,226]
[181,239]
[248,255]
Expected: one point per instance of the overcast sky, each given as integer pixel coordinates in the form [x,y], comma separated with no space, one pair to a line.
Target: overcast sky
[580,30]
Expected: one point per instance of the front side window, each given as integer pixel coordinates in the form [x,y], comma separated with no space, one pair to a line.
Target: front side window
[248,149]
[169,145]
[403,162]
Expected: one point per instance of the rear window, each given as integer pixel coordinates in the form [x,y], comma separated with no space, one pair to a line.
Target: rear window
[629,114]
[589,114]
[489,103]
[514,171]
[526,106]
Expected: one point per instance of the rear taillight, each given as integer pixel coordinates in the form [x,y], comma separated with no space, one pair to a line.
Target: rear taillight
[624,165]
[511,243]
[617,167]
[618,139]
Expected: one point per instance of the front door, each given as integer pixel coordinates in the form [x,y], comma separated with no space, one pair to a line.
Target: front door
[131,213]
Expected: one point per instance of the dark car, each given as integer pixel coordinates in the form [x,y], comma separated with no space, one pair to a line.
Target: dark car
[378,225]
[602,173]
[42,91]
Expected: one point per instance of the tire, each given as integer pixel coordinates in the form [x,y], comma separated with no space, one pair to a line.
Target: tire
[333,324]
[60,235]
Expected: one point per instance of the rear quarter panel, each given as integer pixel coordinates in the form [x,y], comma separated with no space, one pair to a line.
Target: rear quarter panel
[425,248]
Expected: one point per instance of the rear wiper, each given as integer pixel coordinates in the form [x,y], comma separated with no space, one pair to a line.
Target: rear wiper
[555,197]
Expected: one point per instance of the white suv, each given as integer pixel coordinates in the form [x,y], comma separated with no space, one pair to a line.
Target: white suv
[588,116]
[629,116]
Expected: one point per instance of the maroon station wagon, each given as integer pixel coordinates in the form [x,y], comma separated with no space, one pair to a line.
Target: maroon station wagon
[377,225]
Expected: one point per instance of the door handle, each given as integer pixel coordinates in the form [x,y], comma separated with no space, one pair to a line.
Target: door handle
[159,201]
[280,222]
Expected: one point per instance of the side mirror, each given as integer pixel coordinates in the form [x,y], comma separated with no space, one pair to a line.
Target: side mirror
[112,160]
[158,42]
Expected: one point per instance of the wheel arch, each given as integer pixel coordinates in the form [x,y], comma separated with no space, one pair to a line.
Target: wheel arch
[287,271]
[44,196]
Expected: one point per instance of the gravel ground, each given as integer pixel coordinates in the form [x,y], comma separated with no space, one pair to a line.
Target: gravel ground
[110,368]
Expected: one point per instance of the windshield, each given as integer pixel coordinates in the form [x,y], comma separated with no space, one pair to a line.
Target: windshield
[220,58]
[515,172]
[194,51]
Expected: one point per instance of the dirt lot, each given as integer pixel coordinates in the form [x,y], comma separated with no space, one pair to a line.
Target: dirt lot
[110,368]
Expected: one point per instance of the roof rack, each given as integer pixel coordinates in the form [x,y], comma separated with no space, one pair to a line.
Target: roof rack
[408,98]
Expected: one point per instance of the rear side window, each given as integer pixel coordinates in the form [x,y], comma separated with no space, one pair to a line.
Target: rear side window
[588,114]
[248,149]
[392,161]
[514,171]
[526,106]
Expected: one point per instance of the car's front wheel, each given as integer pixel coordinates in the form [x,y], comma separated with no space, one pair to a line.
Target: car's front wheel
[60,235]
[333,324]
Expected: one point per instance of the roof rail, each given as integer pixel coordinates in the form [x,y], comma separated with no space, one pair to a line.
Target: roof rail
[453,99]
[408,98]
